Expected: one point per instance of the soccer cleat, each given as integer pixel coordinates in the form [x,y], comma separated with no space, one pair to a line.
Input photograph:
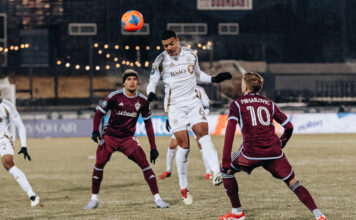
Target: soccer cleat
[35,200]
[161,204]
[230,216]
[217,179]
[93,204]
[164,175]
[186,197]
[322,218]
[208,176]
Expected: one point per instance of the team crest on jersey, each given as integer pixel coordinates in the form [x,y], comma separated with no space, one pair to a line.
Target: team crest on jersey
[190,68]
[188,59]
[137,106]
[172,64]
[121,104]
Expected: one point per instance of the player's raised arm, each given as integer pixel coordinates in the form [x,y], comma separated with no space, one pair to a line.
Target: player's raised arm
[283,120]
[229,137]
[154,78]
[203,77]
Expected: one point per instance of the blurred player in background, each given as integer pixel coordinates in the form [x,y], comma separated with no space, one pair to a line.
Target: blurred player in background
[125,105]
[9,114]
[173,144]
[179,68]
[260,146]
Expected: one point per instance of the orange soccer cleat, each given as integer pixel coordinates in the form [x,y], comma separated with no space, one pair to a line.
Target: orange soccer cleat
[208,176]
[322,218]
[230,216]
[164,175]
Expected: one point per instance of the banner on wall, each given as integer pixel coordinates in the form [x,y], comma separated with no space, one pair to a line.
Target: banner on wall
[58,128]
[324,123]
[224,4]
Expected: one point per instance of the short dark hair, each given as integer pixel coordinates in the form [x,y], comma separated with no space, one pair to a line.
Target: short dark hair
[168,34]
[127,73]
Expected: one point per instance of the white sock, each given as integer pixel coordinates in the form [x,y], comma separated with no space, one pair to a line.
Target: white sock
[236,211]
[210,153]
[182,166]
[169,159]
[94,197]
[22,180]
[317,213]
[157,196]
[206,165]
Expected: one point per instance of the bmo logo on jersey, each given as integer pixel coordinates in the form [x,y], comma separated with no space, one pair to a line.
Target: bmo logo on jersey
[178,72]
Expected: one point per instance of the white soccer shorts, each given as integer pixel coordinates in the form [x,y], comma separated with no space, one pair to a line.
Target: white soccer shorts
[182,117]
[6,147]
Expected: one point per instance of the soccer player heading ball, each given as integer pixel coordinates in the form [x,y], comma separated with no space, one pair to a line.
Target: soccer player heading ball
[260,146]
[125,105]
[179,68]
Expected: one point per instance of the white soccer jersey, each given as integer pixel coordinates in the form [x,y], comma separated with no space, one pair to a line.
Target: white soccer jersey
[8,113]
[179,74]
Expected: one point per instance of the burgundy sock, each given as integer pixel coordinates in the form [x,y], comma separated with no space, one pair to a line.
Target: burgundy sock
[303,195]
[151,180]
[232,191]
[96,180]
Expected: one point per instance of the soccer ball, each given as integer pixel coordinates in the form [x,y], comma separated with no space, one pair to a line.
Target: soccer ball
[132,20]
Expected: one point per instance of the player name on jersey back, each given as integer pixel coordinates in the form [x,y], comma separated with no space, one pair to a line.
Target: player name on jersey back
[255,100]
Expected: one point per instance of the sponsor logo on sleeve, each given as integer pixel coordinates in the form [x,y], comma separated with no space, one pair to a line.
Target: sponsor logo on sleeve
[104,104]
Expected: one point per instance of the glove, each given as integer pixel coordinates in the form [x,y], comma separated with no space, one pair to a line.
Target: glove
[151,97]
[154,154]
[168,127]
[25,154]
[95,135]
[221,77]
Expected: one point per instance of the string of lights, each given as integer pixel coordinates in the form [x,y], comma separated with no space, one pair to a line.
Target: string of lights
[108,50]
[14,47]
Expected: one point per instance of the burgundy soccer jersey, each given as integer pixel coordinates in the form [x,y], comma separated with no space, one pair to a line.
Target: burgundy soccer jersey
[255,115]
[125,111]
